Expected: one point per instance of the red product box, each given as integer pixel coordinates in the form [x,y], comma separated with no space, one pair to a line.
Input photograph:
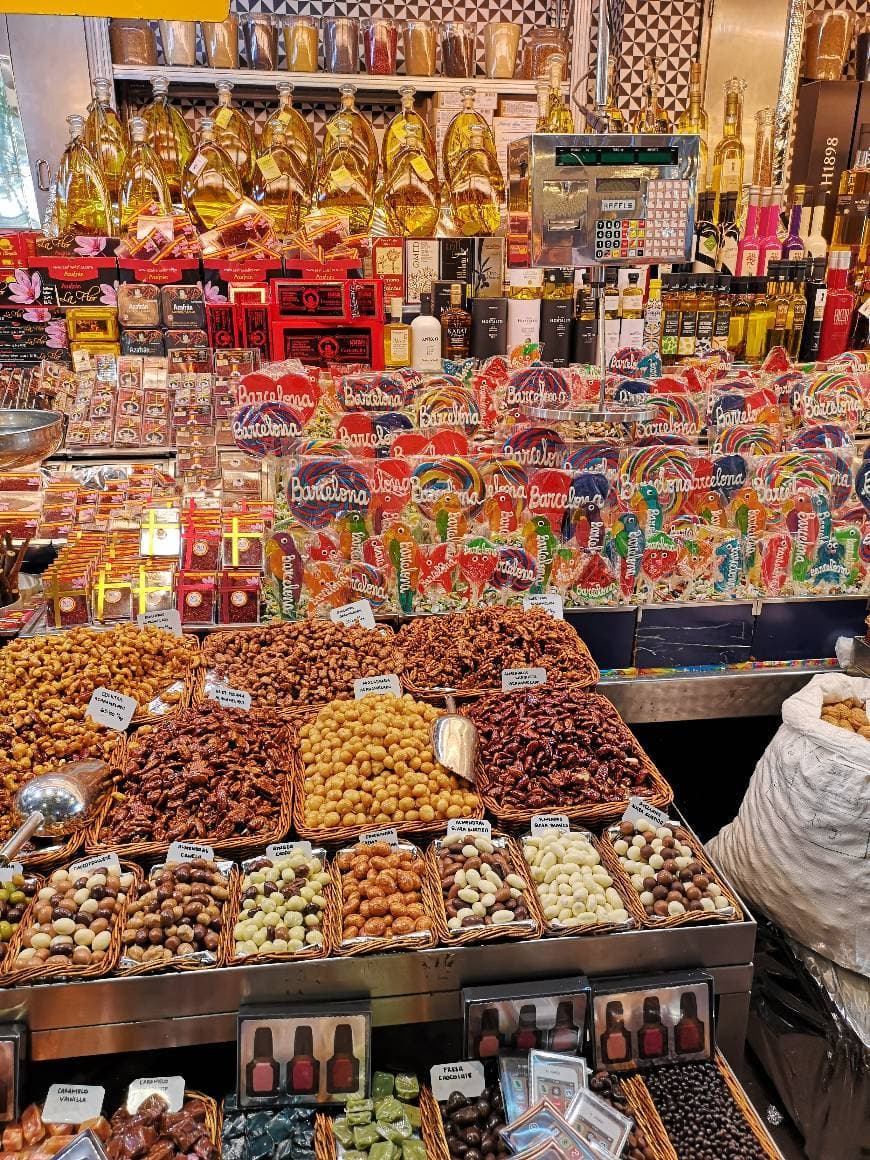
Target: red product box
[72,281]
[175,270]
[388,264]
[323,343]
[220,276]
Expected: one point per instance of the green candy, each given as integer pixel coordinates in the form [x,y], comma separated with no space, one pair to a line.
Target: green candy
[366,1135]
[413,1150]
[407,1087]
[388,1109]
[384,1151]
[382,1085]
[343,1132]
[396,1132]
[411,1114]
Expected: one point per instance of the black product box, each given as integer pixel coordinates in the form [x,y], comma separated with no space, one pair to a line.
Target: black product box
[823,141]
[13,1048]
[143,342]
[557,315]
[641,1021]
[294,299]
[456,259]
[297,1054]
[517,1017]
[488,327]
[441,297]
[319,345]
[183,307]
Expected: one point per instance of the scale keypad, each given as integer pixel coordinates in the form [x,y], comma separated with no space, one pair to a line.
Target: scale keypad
[661,232]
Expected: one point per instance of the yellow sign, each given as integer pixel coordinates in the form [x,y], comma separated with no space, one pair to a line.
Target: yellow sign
[146,9]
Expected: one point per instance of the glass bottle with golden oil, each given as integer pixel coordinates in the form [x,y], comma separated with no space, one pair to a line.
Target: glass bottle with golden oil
[560,119]
[653,116]
[759,321]
[397,338]
[394,137]
[281,186]
[143,182]
[106,138]
[210,184]
[458,135]
[362,135]
[729,156]
[297,133]
[476,188]
[344,186]
[412,198]
[694,120]
[543,90]
[82,202]
[168,135]
[234,133]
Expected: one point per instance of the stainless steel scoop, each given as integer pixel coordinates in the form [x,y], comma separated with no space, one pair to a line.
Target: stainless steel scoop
[55,804]
[454,740]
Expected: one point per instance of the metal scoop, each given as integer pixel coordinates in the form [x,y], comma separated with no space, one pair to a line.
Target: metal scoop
[55,804]
[454,740]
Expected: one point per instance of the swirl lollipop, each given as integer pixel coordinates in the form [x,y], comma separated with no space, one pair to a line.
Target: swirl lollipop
[536,447]
[447,404]
[673,415]
[829,436]
[516,570]
[434,479]
[595,457]
[538,387]
[747,439]
[320,491]
[671,470]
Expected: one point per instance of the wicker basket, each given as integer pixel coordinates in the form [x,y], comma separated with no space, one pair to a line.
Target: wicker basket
[5,947]
[645,1116]
[749,1113]
[326,926]
[182,689]
[191,962]
[467,936]
[661,795]
[49,858]
[623,881]
[231,847]
[27,975]
[370,945]
[559,930]
[342,835]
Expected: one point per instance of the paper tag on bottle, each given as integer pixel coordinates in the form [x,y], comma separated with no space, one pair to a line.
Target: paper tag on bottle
[197,164]
[268,166]
[223,116]
[864,308]
[542,822]
[466,1077]
[229,698]
[277,850]
[96,862]
[111,710]
[390,836]
[7,873]
[170,1088]
[359,612]
[385,683]
[189,852]
[472,826]
[68,1103]
[422,167]
[522,678]
[169,619]
[640,810]
[550,602]
[342,178]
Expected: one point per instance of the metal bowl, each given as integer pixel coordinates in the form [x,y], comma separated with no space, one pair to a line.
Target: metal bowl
[28,437]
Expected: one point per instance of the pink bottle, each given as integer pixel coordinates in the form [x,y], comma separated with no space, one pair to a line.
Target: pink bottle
[747,249]
[839,307]
[770,247]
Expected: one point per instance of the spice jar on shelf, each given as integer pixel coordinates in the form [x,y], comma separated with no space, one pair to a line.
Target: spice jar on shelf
[260,31]
[421,40]
[380,44]
[458,48]
[541,44]
[178,38]
[222,42]
[300,43]
[341,44]
[501,39]
[132,41]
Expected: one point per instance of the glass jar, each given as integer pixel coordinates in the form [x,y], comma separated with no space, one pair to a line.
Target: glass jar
[543,43]
[260,31]
[457,48]
[341,44]
[501,40]
[300,43]
[178,38]
[380,45]
[222,42]
[421,39]
[132,41]
[829,37]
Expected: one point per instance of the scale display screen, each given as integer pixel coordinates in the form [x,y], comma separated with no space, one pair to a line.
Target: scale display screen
[603,156]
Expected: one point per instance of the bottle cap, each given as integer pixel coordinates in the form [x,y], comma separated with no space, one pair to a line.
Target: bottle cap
[343,1039]
[263,1041]
[396,309]
[425,304]
[303,1041]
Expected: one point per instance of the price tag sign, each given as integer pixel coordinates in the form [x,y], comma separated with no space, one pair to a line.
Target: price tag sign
[170,1088]
[229,698]
[169,619]
[189,852]
[97,862]
[390,836]
[640,810]
[385,683]
[285,849]
[7,873]
[111,710]
[68,1103]
[542,822]
[466,1077]
[522,678]
[469,826]
[549,601]
[360,612]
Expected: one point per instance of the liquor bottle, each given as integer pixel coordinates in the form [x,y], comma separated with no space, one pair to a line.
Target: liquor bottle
[555,331]
[616,120]
[688,317]
[729,234]
[411,193]
[397,338]
[762,162]
[282,185]
[476,188]
[693,120]
[794,246]
[612,302]
[210,183]
[811,230]
[798,310]
[143,182]
[706,320]
[234,133]
[297,134]
[344,184]
[671,303]
[770,246]
[839,305]
[458,135]
[559,283]
[779,297]
[525,295]
[168,135]
[584,342]
[758,322]
[426,338]
[362,135]
[560,119]
[82,202]
[106,138]
[729,155]
[859,337]
[706,235]
[741,304]
[542,89]
[750,244]
[394,135]
[722,324]
[653,117]
[816,294]
[455,327]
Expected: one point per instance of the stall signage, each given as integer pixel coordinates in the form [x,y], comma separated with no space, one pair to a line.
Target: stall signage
[111,710]
[385,683]
[170,1088]
[68,1103]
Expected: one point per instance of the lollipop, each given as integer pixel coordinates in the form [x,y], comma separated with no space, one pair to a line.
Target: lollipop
[447,404]
[833,396]
[262,429]
[825,435]
[516,570]
[435,478]
[374,392]
[330,448]
[368,583]
[538,387]
[319,491]
[671,470]
[673,415]
[595,457]
[536,447]
[747,439]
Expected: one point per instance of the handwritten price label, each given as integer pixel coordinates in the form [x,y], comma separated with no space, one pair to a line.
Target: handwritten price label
[111,710]
[73,1104]
[189,852]
[390,836]
[229,698]
[360,612]
[549,601]
[384,684]
[169,619]
[522,678]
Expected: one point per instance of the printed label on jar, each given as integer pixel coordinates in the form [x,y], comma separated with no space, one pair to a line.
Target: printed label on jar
[550,602]
[169,619]
[97,862]
[73,1104]
[541,822]
[170,1088]
[466,1077]
[384,683]
[522,678]
[189,852]
[111,710]
[390,836]
[7,873]
[640,810]
[278,850]
[359,612]
[229,698]
[476,826]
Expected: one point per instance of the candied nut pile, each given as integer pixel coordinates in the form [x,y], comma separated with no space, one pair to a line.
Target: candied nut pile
[152,1132]
[283,904]
[609,1087]
[574,888]
[14,897]
[477,884]
[381,892]
[308,662]
[180,914]
[209,773]
[665,872]
[850,714]
[549,747]
[470,651]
